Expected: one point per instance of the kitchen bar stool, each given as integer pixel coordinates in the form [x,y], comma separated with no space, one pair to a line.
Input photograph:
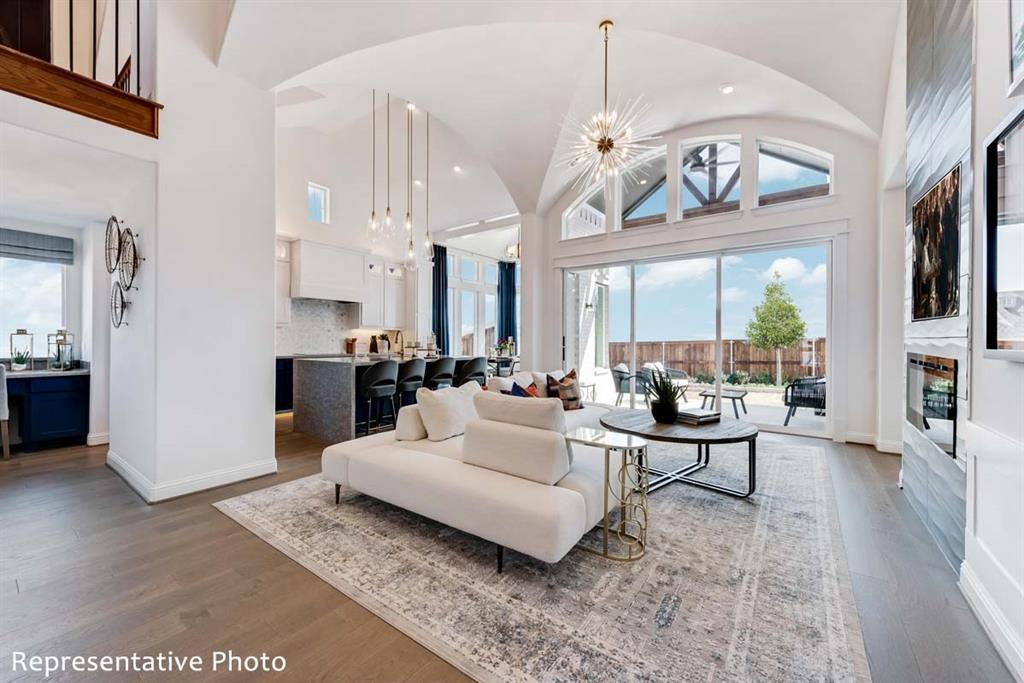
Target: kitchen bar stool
[440,373]
[475,370]
[410,377]
[379,382]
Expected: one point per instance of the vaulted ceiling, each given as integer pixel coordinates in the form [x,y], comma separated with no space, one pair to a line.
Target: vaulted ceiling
[505,75]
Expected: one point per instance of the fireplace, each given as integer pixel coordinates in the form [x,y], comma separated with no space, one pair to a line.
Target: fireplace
[931,398]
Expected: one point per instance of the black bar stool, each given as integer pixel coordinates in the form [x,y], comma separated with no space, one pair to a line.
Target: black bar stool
[475,370]
[410,377]
[379,381]
[440,373]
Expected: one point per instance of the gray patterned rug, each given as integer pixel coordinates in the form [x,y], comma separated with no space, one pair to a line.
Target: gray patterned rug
[730,590]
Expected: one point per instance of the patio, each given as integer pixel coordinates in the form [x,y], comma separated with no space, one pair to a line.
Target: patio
[764,404]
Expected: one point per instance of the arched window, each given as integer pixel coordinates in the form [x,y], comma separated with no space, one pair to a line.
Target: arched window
[644,192]
[710,177]
[788,173]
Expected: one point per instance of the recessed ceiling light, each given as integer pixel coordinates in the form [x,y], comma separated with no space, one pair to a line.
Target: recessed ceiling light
[643,181]
[410,106]
[418,183]
[727,88]
[457,169]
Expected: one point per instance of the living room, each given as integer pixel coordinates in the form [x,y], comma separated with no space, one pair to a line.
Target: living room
[646,341]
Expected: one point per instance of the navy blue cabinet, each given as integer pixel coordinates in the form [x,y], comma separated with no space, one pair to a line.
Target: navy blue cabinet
[51,410]
[283,387]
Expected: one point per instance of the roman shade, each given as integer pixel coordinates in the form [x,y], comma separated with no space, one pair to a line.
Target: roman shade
[32,246]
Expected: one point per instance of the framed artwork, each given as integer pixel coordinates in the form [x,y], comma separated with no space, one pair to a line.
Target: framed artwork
[936,263]
[1004,240]
[1016,47]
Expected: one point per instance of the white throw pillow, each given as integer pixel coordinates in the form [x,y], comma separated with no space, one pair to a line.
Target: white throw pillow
[541,380]
[499,384]
[445,412]
[410,425]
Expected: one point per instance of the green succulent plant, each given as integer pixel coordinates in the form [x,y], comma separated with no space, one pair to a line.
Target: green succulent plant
[661,388]
[22,356]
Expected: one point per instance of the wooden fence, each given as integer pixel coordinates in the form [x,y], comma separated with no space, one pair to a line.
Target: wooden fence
[807,359]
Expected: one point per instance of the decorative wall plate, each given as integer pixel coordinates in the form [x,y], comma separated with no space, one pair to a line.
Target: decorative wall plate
[117,304]
[129,259]
[112,244]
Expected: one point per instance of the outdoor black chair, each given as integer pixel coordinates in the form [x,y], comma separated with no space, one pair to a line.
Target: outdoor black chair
[805,392]
[410,377]
[440,373]
[475,370]
[379,383]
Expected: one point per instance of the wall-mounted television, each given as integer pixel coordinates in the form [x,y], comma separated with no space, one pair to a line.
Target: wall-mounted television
[931,398]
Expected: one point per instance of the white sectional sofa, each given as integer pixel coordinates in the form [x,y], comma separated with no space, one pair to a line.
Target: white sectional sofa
[511,479]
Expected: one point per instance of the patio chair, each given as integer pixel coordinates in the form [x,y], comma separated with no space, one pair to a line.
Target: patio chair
[805,392]
[679,377]
[621,378]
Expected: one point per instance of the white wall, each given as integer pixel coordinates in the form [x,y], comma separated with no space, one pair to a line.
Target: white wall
[992,574]
[215,281]
[95,347]
[851,216]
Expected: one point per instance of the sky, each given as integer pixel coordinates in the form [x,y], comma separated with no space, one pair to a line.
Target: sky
[31,297]
[676,299]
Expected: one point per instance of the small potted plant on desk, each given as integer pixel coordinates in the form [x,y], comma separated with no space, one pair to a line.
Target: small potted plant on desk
[21,360]
[664,395]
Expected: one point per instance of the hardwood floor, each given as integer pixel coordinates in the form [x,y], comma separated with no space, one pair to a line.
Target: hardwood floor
[87,567]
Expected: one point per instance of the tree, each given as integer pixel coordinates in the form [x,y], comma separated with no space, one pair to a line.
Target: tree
[776,324]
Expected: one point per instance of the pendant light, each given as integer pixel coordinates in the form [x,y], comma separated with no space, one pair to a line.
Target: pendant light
[389,224]
[411,262]
[372,226]
[428,243]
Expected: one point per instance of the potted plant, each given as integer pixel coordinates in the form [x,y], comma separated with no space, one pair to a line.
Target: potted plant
[664,395]
[21,360]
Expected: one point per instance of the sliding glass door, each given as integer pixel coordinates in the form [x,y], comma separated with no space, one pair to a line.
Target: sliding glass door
[765,313]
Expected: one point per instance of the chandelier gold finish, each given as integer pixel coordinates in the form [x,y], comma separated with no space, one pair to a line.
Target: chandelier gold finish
[609,142]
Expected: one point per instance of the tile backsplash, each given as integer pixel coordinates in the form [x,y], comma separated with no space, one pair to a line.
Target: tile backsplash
[317,327]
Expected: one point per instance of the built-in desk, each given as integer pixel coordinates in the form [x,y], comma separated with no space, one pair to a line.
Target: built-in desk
[49,408]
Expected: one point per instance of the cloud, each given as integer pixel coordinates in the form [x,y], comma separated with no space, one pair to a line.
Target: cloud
[733,294]
[618,278]
[668,273]
[818,276]
[788,267]
[770,169]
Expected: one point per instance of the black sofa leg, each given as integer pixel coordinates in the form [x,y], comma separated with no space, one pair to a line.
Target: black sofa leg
[337,494]
[501,558]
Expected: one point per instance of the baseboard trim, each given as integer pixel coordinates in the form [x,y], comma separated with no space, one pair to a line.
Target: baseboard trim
[883,446]
[136,481]
[860,437]
[153,493]
[97,438]
[1008,644]
[228,475]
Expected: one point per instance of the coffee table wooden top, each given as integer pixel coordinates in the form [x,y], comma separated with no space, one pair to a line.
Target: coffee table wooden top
[641,423]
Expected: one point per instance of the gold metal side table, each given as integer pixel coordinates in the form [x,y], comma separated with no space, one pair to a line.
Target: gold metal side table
[625,484]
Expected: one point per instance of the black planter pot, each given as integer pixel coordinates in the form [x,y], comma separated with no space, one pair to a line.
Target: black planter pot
[665,413]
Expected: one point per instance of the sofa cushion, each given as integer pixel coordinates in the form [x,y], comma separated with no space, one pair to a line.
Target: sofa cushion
[587,416]
[410,425]
[541,380]
[449,448]
[445,412]
[539,455]
[586,477]
[544,413]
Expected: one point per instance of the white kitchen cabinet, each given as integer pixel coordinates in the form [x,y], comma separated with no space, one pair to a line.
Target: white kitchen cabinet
[394,297]
[372,314]
[324,271]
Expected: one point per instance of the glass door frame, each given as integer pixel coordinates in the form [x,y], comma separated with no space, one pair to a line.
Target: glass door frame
[828,242]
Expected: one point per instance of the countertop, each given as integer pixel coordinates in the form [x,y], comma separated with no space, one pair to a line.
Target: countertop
[27,374]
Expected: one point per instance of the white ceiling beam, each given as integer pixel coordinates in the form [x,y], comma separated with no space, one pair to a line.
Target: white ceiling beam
[475,228]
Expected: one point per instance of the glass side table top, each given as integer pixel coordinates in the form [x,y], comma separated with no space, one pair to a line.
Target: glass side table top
[601,438]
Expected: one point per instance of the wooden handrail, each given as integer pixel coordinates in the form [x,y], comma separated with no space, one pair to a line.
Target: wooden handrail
[44,82]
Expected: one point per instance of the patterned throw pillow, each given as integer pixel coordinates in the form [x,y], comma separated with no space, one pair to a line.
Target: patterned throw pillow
[569,392]
[553,382]
[528,392]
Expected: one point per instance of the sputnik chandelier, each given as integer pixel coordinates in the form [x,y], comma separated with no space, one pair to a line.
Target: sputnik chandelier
[608,142]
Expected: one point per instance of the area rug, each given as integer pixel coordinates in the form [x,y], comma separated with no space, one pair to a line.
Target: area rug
[730,590]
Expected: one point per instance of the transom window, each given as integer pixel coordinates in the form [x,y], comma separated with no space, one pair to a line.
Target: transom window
[710,178]
[318,203]
[786,173]
[644,193]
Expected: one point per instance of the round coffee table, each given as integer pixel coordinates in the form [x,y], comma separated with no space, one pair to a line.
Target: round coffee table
[641,423]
